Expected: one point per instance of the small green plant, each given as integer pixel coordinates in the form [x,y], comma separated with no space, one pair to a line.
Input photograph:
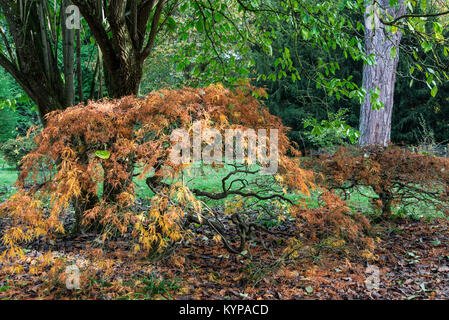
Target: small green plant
[159,286]
[424,135]
[13,150]
[331,133]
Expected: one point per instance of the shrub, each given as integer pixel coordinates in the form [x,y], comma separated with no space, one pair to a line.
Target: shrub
[103,145]
[13,150]
[395,175]
[333,218]
[332,133]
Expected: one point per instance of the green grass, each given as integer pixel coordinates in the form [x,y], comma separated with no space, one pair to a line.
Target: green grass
[420,210]
[8,177]
[210,179]
[204,179]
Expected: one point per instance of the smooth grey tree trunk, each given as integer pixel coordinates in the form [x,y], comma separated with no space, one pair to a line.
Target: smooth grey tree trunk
[375,125]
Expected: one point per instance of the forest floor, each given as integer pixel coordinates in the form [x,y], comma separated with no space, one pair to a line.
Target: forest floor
[410,261]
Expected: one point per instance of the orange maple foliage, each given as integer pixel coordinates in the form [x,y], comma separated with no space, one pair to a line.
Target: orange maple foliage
[84,149]
[396,176]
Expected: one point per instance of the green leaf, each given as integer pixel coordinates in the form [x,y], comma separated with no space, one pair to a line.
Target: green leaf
[446,51]
[199,26]
[434,91]
[423,5]
[5,288]
[293,77]
[437,27]
[393,3]
[393,52]
[103,154]
[305,34]
[309,289]
[171,24]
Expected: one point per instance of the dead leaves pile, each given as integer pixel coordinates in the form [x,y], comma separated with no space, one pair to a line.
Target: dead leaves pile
[411,260]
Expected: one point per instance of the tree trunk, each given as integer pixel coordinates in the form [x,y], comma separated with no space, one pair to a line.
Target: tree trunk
[45,49]
[126,43]
[375,125]
[94,78]
[124,80]
[79,73]
[33,55]
[68,48]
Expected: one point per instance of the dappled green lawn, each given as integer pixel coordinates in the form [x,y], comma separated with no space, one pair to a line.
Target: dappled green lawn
[205,179]
[209,179]
[420,210]
[8,177]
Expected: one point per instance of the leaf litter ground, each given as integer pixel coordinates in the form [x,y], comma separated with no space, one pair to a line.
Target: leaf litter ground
[411,259]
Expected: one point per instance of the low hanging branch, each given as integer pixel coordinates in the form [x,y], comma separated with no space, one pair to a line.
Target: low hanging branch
[155,183]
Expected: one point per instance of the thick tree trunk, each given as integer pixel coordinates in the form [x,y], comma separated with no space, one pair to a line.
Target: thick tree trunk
[127,42]
[124,80]
[375,125]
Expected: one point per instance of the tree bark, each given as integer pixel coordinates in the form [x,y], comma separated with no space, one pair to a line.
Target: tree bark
[79,73]
[32,59]
[126,44]
[375,125]
[68,48]
[45,49]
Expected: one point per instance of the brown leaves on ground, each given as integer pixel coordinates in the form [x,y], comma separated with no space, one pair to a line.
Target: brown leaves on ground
[411,259]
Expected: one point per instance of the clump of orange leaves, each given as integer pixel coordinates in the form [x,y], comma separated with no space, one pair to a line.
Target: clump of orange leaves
[87,156]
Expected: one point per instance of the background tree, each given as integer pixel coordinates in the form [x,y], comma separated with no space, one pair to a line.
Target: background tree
[302,99]
[385,24]
[31,32]
[68,45]
[379,78]
[127,32]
